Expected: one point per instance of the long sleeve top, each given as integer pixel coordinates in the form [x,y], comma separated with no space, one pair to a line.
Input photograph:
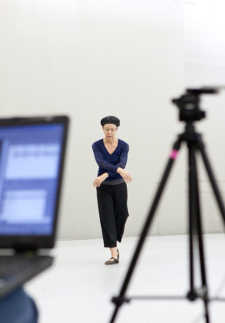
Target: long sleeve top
[108,163]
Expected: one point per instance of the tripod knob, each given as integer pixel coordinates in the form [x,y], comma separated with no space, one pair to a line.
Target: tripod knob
[192,296]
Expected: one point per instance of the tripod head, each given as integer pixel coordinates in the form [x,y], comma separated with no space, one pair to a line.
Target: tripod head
[189,103]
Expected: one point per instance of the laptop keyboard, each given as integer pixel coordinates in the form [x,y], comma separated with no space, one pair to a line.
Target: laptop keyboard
[11,265]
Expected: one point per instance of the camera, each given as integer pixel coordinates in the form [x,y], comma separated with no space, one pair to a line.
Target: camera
[189,104]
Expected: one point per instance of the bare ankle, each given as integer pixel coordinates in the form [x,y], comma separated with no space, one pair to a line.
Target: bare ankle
[114,252]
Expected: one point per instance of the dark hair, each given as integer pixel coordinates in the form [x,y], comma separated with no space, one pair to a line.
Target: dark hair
[110,119]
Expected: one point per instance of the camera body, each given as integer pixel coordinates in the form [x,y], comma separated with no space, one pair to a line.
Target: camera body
[189,104]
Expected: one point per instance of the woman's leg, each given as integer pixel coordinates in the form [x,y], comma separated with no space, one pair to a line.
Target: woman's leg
[120,208]
[114,252]
[106,214]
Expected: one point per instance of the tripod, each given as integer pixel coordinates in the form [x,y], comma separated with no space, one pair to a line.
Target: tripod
[189,112]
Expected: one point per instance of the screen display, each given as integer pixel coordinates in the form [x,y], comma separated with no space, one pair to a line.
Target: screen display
[29,175]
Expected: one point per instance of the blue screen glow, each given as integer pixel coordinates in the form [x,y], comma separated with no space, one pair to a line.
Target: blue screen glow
[29,175]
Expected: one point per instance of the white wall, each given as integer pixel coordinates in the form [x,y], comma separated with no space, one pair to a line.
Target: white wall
[90,59]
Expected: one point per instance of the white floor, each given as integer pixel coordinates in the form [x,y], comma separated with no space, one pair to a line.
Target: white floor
[78,288]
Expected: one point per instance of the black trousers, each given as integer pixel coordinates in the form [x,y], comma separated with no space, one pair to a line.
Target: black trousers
[113,212]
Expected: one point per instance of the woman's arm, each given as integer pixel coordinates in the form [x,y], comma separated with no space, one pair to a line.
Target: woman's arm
[124,174]
[98,181]
[101,162]
[121,165]
[110,169]
[123,161]
[123,158]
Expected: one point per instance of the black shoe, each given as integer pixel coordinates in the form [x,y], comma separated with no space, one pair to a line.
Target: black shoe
[112,262]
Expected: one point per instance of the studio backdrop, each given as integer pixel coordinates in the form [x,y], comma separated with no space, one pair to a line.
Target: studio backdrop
[89,59]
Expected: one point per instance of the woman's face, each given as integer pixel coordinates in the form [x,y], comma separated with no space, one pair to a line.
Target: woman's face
[110,131]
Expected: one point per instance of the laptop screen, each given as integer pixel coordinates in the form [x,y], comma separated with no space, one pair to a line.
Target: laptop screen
[29,177]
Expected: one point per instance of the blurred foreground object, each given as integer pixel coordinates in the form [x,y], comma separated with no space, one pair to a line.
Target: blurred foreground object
[32,153]
[18,307]
[189,112]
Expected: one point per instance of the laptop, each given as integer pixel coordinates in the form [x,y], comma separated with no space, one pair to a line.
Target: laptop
[32,152]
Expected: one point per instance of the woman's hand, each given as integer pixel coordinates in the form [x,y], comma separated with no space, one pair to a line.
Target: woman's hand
[124,174]
[98,181]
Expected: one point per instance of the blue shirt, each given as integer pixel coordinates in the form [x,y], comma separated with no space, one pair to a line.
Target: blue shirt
[109,163]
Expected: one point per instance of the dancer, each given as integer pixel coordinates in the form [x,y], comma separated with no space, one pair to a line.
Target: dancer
[111,184]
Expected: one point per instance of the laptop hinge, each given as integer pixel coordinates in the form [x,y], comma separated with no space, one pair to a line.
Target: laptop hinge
[31,252]
[25,247]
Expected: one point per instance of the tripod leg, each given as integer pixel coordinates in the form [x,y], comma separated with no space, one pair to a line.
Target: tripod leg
[212,179]
[192,216]
[120,299]
[195,222]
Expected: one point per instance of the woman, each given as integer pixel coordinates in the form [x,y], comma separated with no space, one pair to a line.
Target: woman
[111,157]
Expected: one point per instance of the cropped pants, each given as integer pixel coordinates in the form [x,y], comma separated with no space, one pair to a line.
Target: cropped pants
[113,212]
